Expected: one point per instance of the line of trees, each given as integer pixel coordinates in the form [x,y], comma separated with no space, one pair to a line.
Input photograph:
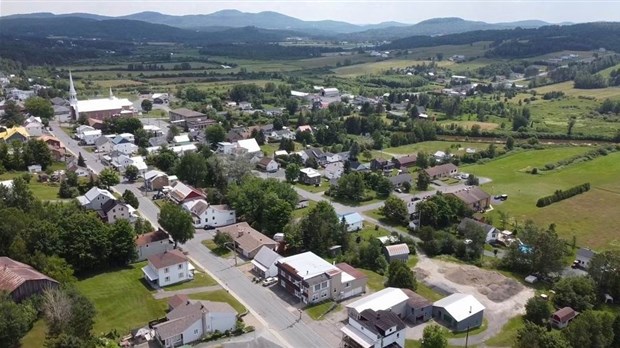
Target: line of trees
[560,195]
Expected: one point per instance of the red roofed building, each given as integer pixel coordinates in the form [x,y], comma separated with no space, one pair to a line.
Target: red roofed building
[167,268]
[21,281]
[152,243]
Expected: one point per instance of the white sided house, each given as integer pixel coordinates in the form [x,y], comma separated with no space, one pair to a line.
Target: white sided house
[353,221]
[95,198]
[208,215]
[34,126]
[152,243]
[90,136]
[377,329]
[167,268]
[265,263]
[124,145]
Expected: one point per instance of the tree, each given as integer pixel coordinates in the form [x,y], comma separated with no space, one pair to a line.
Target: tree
[221,239]
[66,191]
[434,337]
[177,222]
[81,162]
[173,131]
[276,213]
[510,143]
[191,169]
[37,152]
[534,336]
[108,178]
[122,236]
[147,105]
[12,114]
[215,134]
[291,106]
[291,173]
[400,276]
[537,311]
[320,228]
[58,268]
[130,198]
[395,209]
[354,150]
[603,270]
[424,180]
[370,256]
[472,180]
[39,107]
[15,321]
[571,125]
[165,160]
[131,173]
[422,160]
[575,292]
[591,329]
[383,187]
[350,187]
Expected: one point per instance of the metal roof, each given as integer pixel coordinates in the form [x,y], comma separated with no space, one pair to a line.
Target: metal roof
[460,306]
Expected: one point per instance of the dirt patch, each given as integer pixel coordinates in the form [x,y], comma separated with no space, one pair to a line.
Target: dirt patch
[495,286]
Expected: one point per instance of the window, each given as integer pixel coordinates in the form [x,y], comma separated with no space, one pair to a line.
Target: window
[180,266]
[347,285]
[317,287]
[324,285]
[397,334]
[167,279]
[180,275]
[166,270]
[196,332]
[213,218]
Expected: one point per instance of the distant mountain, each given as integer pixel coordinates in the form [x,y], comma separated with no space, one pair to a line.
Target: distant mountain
[439,26]
[52,15]
[133,30]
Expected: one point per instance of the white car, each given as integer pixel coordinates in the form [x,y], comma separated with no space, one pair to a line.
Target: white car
[270,281]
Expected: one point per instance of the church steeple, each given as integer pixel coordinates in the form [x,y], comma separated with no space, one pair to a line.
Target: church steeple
[111,94]
[73,101]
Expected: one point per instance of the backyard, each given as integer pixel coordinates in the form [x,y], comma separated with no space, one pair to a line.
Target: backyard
[579,216]
[220,296]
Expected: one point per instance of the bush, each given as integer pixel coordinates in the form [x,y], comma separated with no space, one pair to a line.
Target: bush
[534,171]
[561,195]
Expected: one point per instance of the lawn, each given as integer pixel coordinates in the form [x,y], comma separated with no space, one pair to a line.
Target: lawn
[36,336]
[506,337]
[221,252]
[299,213]
[323,186]
[430,147]
[591,216]
[200,280]
[375,280]
[318,311]
[369,231]
[270,148]
[220,296]
[377,215]
[43,191]
[122,299]
[357,204]
[428,293]
[569,90]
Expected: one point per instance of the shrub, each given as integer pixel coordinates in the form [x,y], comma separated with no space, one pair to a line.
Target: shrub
[534,170]
[561,195]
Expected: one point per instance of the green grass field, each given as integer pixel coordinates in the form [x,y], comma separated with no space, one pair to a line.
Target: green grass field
[122,299]
[36,336]
[591,216]
[200,279]
[221,252]
[375,280]
[506,337]
[318,311]
[220,296]
[299,213]
[569,90]
[323,186]
[431,147]
[43,191]
[376,214]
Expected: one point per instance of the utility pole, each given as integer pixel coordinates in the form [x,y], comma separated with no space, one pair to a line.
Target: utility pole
[467,334]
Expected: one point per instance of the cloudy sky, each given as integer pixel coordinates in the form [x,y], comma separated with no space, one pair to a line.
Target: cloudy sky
[353,11]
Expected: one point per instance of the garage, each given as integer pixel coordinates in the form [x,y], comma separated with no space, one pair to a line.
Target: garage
[353,292]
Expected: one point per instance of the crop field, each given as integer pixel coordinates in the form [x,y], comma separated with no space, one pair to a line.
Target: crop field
[591,216]
[376,67]
[475,49]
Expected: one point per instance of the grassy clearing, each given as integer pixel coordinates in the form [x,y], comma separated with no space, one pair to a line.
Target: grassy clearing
[270,148]
[590,217]
[469,124]
[299,213]
[375,280]
[323,186]
[221,252]
[318,311]
[220,296]
[122,299]
[356,204]
[43,191]
[376,67]
[377,215]
[369,232]
[569,90]
[506,337]
[117,83]
[431,147]
[36,336]
[200,280]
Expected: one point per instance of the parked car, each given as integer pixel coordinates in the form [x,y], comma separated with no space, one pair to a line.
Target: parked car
[270,281]
[575,264]
[415,199]
[398,190]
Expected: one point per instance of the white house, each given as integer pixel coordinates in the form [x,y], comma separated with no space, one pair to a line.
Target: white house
[79,131]
[492,233]
[375,329]
[268,164]
[181,149]
[104,144]
[207,215]
[95,198]
[152,243]
[167,268]
[114,210]
[265,263]
[250,145]
[34,126]
[124,145]
[354,221]
[181,139]
[89,136]
[188,321]
[128,136]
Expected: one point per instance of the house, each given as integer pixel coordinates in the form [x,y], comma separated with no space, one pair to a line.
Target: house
[152,243]
[312,279]
[441,171]
[356,166]
[155,180]
[79,171]
[190,320]
[334,170]
[353,221]
[95,198]
[225,147]
[90,136]
[35,168]
[459,312]
[396,252]
[250,146]
[58,151]
[181,149]
[95,123]
[124,145]
[183,114]
[9,135]
[104,144]
[153,130]
[181,139]
[492,233]
[302,202]
[206,215]
[405,161]
[167,268]
[182,193]
[405,303]
[304,128]
[113,210]
[376,329]
[158,141]
[265,263]
[475,198]
[330,92]
[34,126]
[562,317]
[248,241]
[190,119]
[441,156]
[79,131]
[309,176]
[381,164]
[400,179]
[584,256]
[21,281]
[268,164]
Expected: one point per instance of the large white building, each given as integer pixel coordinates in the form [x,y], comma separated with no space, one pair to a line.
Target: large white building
[101,108]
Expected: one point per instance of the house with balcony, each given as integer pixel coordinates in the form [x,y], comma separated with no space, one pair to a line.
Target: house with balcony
[377,329]
[167,268]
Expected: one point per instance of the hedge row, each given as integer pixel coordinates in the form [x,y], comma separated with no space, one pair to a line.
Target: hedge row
[561,195]
[588,156]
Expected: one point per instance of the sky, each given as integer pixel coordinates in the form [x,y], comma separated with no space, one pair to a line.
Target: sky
[352,11]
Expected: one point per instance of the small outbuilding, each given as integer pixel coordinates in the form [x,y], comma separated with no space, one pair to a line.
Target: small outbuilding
[396,252]
[459,312]
[562,317]
[353,221]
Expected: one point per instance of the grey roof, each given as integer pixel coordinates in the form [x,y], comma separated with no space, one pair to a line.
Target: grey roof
[158,141]
[187,112]
[400,179]
[102,140]
[120,140]
[380,321]
[486,227]
[179,319]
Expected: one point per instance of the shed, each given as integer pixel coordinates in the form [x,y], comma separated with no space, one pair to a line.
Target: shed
[562,317]
[396,252]
[459,312]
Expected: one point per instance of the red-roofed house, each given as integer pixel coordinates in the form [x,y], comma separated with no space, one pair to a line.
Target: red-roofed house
[21,281]
[167,268]
[182,193]
[152,243]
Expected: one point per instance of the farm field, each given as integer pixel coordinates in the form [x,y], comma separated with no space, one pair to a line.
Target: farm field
[591,216]
[569,90]
[376,67]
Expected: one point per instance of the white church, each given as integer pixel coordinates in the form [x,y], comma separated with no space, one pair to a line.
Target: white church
[99,109]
